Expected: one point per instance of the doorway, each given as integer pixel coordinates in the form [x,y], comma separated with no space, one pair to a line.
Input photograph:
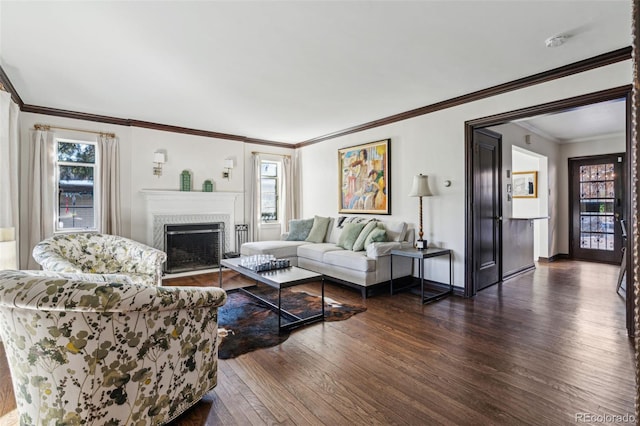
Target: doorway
[471,257]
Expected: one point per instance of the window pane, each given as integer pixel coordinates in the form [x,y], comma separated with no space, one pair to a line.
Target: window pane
[76,197]
[76,152]
[269,169]
[268,185]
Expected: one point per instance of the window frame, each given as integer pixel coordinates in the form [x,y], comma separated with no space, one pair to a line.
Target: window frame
[277,179]
[96,185]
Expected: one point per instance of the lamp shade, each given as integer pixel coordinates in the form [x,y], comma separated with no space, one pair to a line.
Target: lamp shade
[158,157]
[228,163]
[420,186]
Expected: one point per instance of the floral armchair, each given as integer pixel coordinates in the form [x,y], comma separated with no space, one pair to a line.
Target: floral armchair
[99,353]
[101,254]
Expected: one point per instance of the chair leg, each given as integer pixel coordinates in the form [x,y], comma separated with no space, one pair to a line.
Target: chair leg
[623,269]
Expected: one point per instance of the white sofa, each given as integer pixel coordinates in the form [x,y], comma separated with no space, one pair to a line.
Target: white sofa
[361,269]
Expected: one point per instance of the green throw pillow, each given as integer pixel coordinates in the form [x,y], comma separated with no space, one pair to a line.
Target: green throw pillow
[318,230]
[378,235]
[299,229]
[359,244]
[349,235]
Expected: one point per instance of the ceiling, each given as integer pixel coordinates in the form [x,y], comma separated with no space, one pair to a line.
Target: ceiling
[287,71]
[596,121]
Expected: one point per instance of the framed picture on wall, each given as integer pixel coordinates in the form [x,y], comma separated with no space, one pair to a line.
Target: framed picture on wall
[525,184]
[364,178]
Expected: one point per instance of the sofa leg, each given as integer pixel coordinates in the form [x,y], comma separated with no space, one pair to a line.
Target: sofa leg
[364,292]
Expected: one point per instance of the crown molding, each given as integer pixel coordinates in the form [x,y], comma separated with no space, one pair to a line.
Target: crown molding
[543,77]
[147,125]
[4,79]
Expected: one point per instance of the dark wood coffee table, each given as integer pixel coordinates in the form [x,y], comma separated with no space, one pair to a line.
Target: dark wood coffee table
[279,279]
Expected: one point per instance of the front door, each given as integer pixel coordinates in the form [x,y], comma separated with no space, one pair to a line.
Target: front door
[487,208]
[597,205]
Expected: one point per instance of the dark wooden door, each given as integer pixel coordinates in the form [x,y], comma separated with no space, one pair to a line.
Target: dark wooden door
[597,206]
[487,208]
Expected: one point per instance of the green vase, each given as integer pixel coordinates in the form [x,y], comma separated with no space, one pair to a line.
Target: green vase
[185,180]
[207,186]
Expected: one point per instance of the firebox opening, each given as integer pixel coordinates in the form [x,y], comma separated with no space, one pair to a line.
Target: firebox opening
[193,246]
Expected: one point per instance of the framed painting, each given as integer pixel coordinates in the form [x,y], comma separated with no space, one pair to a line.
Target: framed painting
[364,178]
[525,184]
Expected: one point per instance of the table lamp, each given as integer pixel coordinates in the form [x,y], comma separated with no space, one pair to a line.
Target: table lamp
[420,189]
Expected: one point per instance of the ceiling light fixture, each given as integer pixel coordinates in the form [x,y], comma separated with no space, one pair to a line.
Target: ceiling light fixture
[556,41]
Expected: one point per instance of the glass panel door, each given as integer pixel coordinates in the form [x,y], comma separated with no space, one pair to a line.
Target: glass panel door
[597,205]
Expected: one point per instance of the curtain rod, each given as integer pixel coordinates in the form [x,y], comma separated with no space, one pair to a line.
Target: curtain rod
[270,153]
[46,127]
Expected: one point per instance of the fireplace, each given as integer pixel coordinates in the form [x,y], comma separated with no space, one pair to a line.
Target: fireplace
[193,246]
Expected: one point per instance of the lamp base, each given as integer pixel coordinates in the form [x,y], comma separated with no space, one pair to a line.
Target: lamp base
[421,244]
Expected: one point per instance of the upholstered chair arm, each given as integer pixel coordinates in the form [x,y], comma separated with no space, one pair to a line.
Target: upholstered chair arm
[94,278]
[24,290]
[52,260]
[107,353]
[136,257]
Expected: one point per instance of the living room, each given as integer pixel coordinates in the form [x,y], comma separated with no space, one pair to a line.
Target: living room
[432,142]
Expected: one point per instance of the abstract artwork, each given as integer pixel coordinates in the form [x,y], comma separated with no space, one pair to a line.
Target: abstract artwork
[364,178]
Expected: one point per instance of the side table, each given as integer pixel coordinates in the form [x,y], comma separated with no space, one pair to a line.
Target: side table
[421,255]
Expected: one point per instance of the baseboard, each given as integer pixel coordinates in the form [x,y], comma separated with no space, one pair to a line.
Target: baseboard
[559,256]
[517,272]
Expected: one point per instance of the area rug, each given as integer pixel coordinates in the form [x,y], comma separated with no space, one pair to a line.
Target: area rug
[245,324]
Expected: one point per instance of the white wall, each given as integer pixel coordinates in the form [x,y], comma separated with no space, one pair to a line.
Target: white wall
[433,144]
[201,155]
[523,160]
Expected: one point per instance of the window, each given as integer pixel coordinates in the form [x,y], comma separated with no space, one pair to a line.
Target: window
[76,170]
[269,191]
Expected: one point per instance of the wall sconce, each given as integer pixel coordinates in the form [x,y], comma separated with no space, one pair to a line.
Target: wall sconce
[159,160]
[420,189]
[228,165]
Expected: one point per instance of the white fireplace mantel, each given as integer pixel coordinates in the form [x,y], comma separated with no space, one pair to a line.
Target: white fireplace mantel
[166,207]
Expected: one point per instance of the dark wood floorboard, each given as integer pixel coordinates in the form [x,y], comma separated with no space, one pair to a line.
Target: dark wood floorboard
[536,350]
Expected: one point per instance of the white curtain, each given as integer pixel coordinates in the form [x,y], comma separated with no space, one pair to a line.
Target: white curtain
[287,200]
[255,219]
[9,178]
[9,162]
[39,191]
[109,157]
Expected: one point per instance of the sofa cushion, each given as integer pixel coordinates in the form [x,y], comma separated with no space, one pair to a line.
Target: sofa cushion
[355,260]
[318,230]
[359,243]
[316,251]
[377,235]
[349,235]
[279,249]
[396,230]
[299,229]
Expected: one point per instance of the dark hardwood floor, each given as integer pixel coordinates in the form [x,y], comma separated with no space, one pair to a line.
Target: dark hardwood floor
[539,349]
